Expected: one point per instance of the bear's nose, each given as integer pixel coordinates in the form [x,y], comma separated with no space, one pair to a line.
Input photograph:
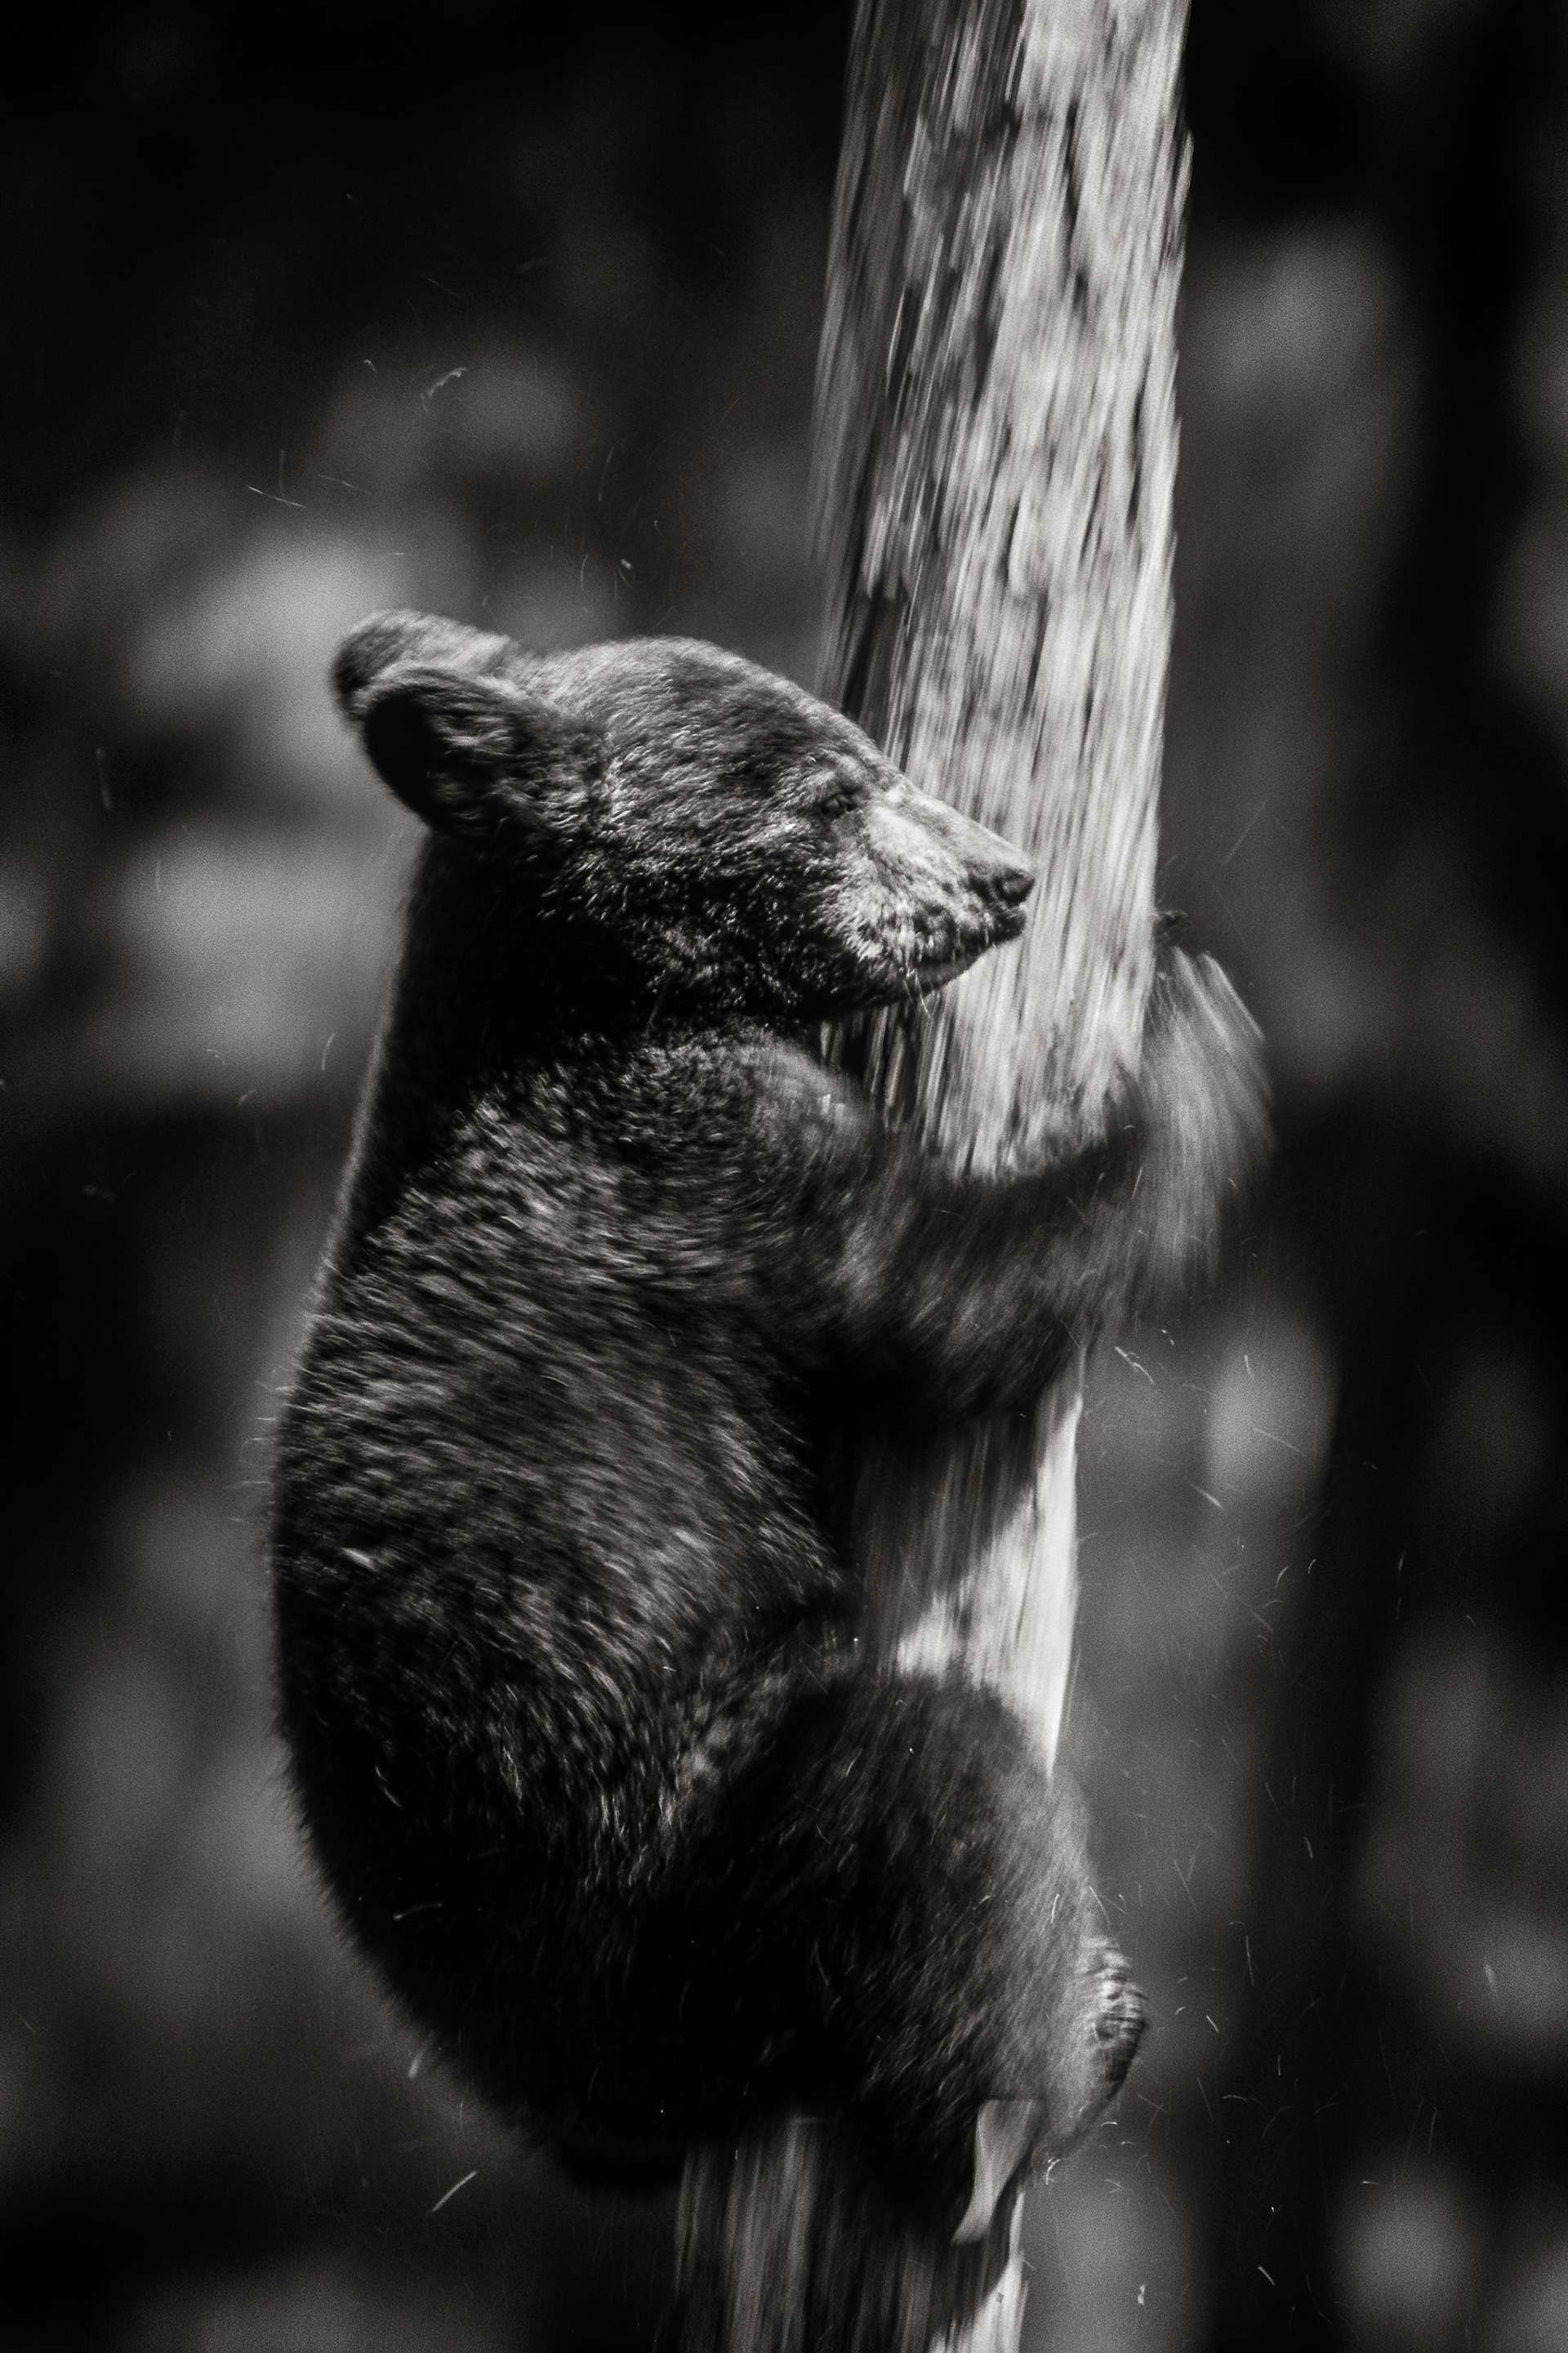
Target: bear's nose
[1012,885]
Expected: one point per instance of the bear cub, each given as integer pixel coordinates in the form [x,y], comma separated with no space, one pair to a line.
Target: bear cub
[567,1610]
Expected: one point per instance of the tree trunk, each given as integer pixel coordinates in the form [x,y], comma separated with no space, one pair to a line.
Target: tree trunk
[997,450]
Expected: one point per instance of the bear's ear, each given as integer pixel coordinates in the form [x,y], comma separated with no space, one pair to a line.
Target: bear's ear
[468,745]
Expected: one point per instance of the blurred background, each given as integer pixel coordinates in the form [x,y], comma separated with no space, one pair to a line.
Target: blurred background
[515,317]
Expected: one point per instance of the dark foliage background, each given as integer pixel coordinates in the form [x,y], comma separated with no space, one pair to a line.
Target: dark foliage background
[515,316]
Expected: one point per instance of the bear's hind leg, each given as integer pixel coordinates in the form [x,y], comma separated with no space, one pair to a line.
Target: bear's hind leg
[890,1915]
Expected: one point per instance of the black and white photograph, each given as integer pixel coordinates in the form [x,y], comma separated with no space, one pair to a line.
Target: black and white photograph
[784,1178]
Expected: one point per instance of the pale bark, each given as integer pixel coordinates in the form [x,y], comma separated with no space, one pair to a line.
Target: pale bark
[997,452]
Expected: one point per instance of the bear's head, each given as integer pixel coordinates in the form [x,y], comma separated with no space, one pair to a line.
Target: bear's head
[736,841]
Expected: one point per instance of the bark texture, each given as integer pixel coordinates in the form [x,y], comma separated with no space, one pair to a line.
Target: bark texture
[997,448]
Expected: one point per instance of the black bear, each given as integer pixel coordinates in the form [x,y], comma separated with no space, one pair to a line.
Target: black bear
[566,1617]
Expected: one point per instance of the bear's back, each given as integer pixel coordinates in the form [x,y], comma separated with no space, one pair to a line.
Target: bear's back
[553,1410]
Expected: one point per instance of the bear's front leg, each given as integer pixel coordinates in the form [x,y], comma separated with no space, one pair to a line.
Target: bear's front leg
[966,1296]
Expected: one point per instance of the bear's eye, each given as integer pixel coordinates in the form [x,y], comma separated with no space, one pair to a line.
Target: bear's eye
[840,801]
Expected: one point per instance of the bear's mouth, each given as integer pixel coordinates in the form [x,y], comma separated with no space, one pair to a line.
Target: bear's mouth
[934,972]
[937,971]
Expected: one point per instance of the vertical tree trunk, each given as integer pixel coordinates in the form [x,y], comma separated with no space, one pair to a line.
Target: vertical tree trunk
[996,451]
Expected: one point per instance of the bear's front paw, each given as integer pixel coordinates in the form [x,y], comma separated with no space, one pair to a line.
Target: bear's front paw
[1205,1101]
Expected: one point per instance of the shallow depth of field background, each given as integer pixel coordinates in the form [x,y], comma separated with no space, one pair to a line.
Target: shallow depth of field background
[516,318]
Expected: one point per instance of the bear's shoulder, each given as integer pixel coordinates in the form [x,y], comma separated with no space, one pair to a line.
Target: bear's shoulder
[777,1089]
[795,1089]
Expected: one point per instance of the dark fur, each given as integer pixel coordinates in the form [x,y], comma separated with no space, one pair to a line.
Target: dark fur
[566,1628]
